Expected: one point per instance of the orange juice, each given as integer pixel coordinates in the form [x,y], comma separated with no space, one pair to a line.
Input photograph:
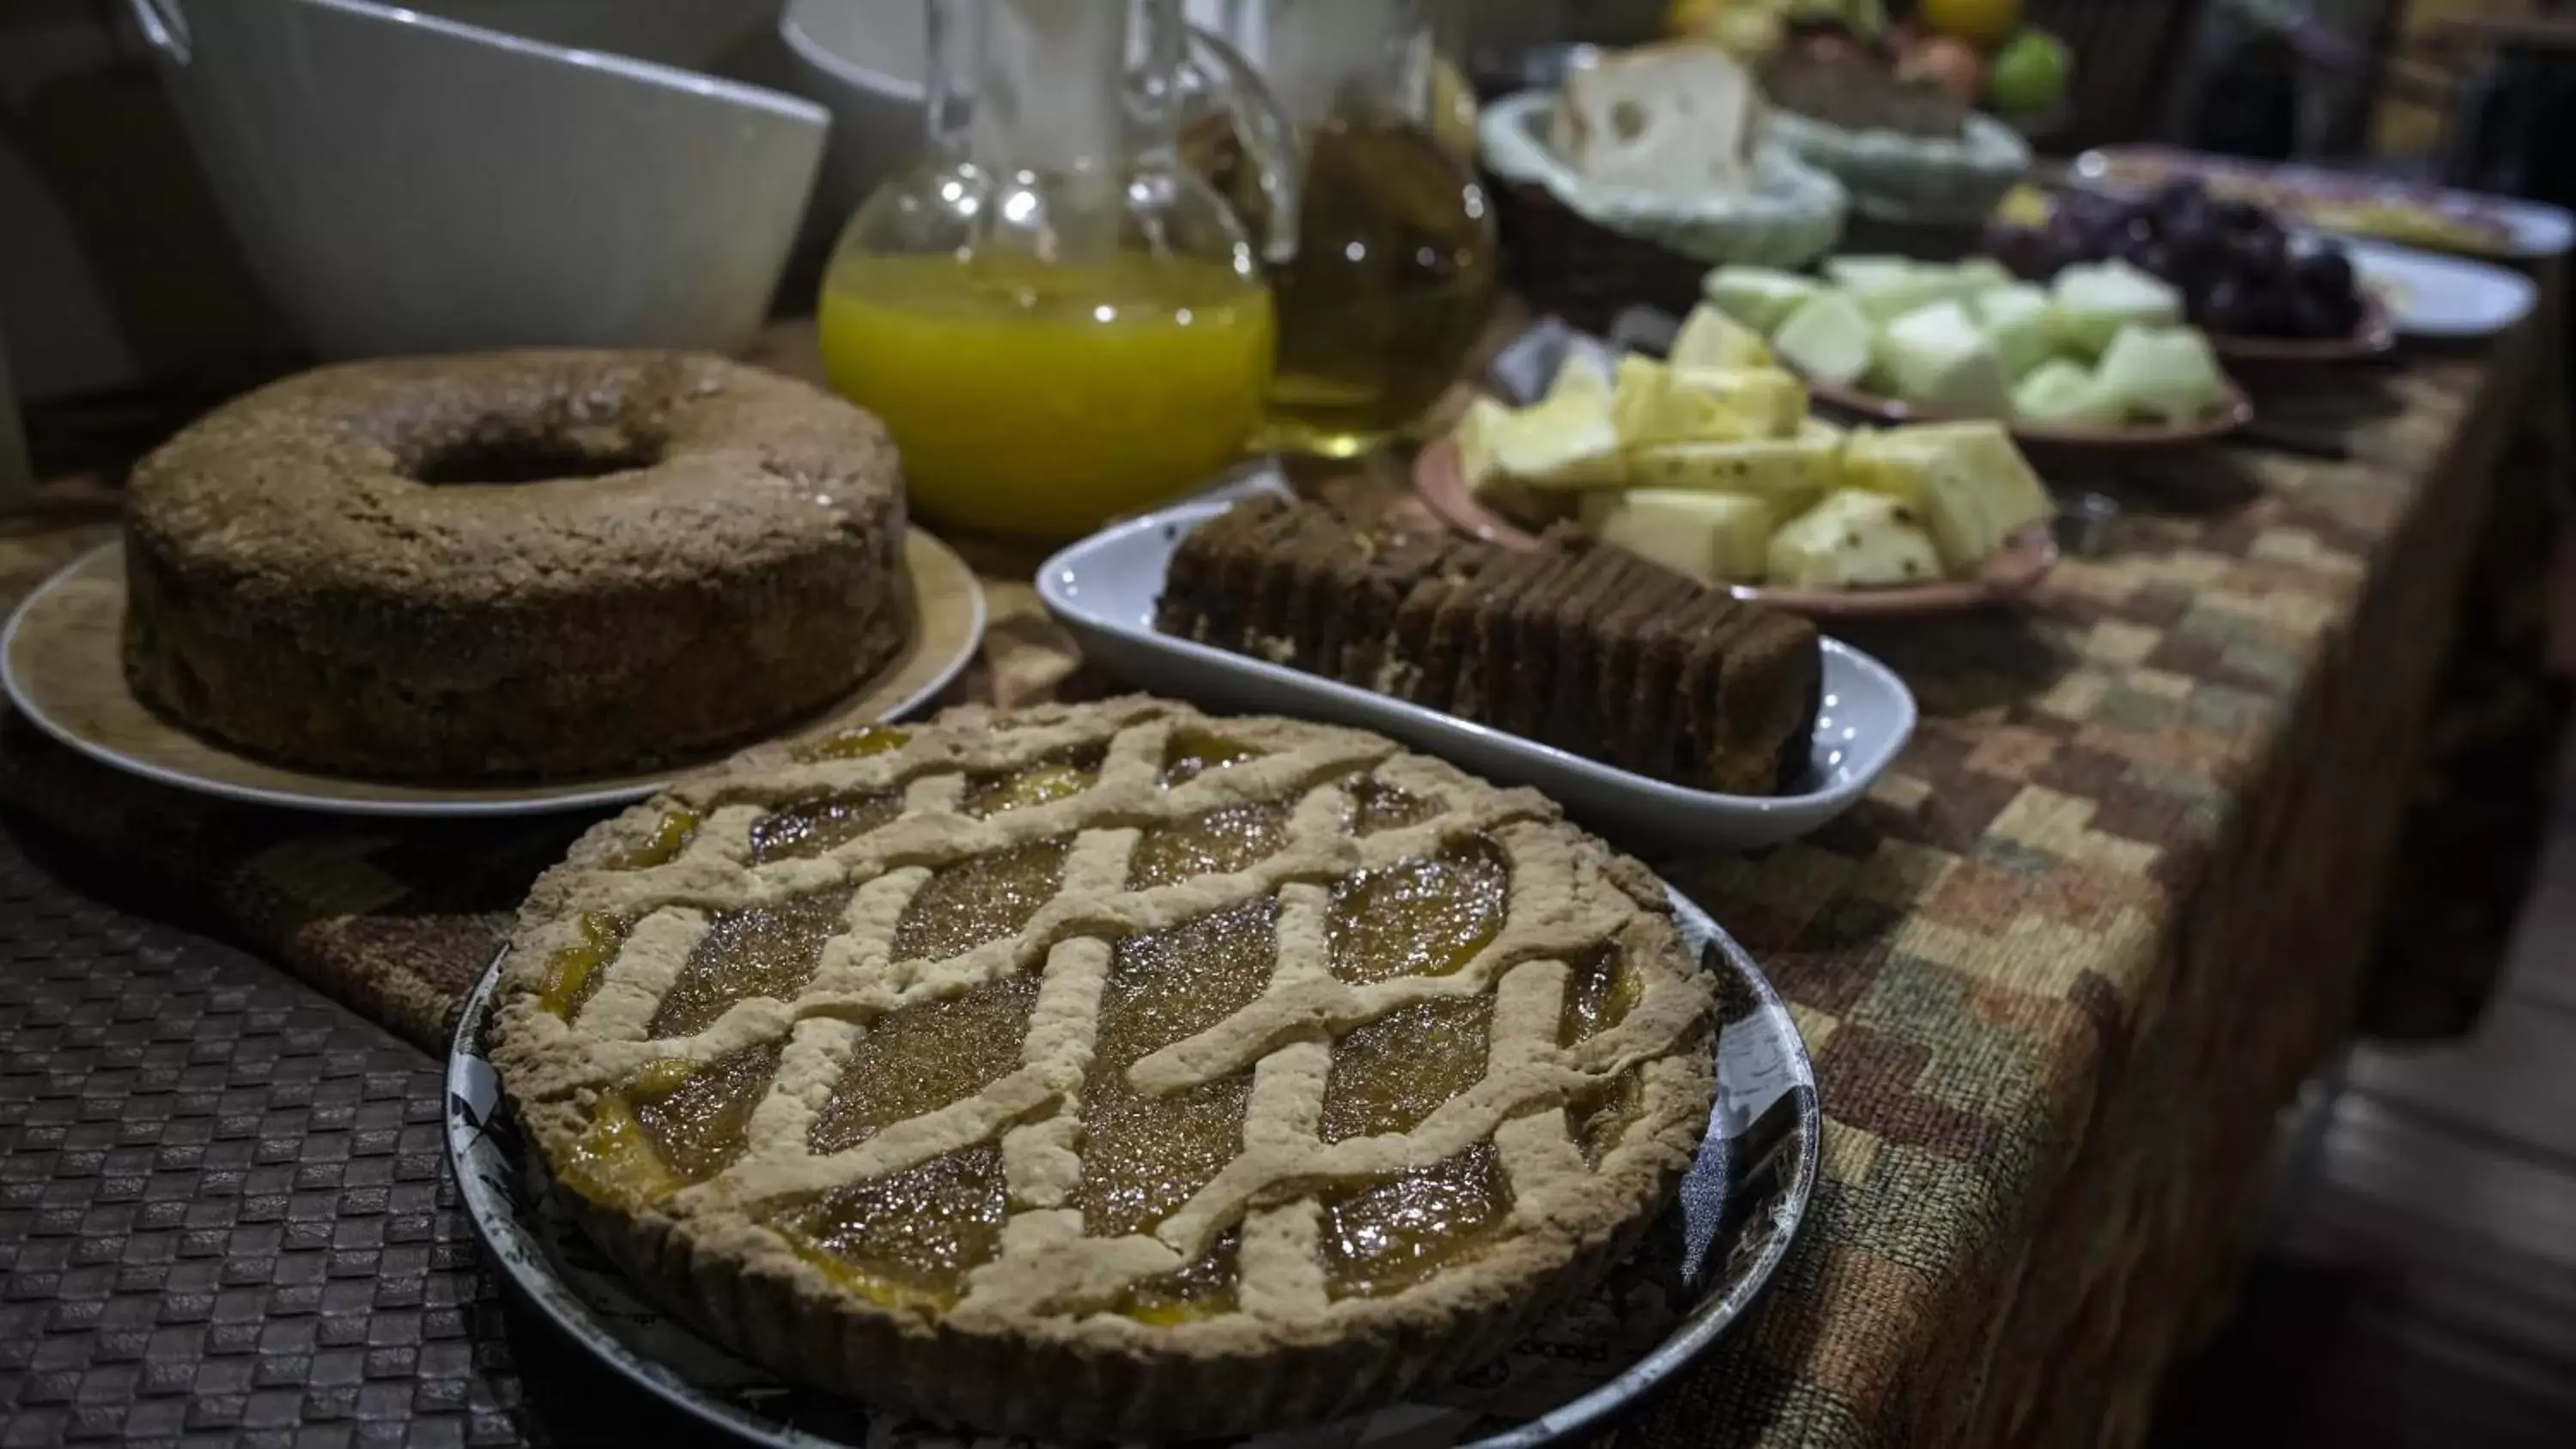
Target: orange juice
[1030,399]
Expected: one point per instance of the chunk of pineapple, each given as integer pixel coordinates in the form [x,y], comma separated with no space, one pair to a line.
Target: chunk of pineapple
[1788,473]
[1712,537]
[1853,540]
[1971,486]
[1710,338]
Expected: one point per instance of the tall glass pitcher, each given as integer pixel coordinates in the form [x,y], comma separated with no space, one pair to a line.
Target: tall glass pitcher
[1394,275]
[1059,321]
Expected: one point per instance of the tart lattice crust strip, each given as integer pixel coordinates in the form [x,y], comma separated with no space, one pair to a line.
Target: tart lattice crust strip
[1566,897]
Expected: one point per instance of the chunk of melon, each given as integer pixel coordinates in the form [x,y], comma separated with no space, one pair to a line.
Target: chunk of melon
[1937,358]
[1759,297]
[2095,302]
[2020,322]
[2164,372]
[2063,393]
[1828,337]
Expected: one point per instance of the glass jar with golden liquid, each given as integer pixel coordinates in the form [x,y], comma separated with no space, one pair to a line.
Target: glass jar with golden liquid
[1058,321]
[1395,271]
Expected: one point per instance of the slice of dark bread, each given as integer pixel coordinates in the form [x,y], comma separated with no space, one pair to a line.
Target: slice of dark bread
[1196,602]
[1577,644]
[1373,582]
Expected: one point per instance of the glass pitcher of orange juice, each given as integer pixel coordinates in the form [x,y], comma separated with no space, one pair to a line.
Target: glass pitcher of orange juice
[1058,321]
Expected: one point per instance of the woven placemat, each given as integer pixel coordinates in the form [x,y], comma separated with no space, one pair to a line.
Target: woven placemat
[226,1215]
[2056,971]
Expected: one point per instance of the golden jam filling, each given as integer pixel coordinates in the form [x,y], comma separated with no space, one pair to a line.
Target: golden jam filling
[1393,1072]
[670,837]
[698,1124]
[1142,1157]
[1418,917]
[1598,1117]
[1386,1237]
[1193,752]
[613,1164]
[1379,806]
[856,744]
[1220,842]
[923,1058]
[1599,991]
[1202,1289]
[908,1240]
[963,906]
[572,973]
[811,827]
[757,951]
[1059,776]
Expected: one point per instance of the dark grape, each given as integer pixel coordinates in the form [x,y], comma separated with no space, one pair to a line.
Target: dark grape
[2272,311]
[2263,255]
[2150,256]
[2314,316]
[2024,250]
[2236,214]
[2327,272]
[2228,306]
[2174,194]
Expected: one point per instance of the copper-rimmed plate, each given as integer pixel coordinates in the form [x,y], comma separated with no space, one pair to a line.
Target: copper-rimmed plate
[2235,412]
[2011,573]
[2371,337]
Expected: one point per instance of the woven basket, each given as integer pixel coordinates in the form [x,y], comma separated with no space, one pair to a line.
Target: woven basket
[1584,252]
[1565,266]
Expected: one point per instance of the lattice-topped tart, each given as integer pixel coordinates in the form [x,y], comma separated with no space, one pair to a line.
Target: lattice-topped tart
[1107,1071]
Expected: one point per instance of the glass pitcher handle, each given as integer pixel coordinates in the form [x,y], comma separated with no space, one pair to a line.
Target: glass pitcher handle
[1268,137]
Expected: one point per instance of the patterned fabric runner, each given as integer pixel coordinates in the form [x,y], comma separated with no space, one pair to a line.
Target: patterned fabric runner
[2058,971]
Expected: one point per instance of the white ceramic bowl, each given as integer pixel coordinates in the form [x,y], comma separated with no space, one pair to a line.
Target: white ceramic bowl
[404,183]
[862,60]
[712,36]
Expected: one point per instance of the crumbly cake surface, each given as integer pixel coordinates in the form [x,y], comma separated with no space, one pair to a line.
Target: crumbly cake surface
[304,583]
[1107,1071]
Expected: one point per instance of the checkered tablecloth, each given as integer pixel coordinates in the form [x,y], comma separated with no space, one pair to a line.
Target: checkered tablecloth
[2058,972]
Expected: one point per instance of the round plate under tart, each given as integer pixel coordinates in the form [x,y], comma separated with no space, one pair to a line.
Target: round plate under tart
[1703,1266]
[2013,571]
[62,663]
[2371,337]
[2233,413]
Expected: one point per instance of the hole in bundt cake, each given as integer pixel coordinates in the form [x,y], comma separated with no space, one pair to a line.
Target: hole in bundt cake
[533,458]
